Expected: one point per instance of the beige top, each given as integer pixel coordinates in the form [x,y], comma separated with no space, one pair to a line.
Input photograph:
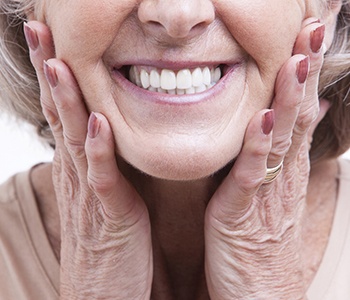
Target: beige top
[29,269]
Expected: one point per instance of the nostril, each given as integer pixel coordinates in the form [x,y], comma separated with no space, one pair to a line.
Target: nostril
[177,18]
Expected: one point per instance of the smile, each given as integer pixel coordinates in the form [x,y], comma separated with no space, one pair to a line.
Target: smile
[174,82]
[180,85]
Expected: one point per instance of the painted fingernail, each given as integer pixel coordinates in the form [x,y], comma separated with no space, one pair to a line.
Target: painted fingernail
[303,69]
[31,37]
[316,38]
[93,126]
[268,121]
[50,74]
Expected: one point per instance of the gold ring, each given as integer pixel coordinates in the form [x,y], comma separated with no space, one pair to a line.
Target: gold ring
[272,173]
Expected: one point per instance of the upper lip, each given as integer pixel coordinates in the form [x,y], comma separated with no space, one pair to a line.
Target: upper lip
[172,65]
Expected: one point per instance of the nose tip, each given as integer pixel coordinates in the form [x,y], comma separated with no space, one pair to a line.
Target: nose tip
[178,18]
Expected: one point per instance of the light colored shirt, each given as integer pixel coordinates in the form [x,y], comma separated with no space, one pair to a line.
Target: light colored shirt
[332,280]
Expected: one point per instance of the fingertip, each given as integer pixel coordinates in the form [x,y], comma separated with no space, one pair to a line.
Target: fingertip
[94,125]
[302,69]
[103,172]
[50,74]
[268,121]
[30,36]
[256,148]
[99,142]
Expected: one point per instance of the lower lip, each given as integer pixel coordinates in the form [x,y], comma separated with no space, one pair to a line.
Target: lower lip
[162,98]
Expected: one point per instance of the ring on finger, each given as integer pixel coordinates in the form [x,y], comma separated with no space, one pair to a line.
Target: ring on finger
[272,173]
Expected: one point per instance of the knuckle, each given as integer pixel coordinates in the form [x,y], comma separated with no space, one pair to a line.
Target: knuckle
[76,149]
[101,184]
[281,146]
[307,117]
[248,182]
[96,153]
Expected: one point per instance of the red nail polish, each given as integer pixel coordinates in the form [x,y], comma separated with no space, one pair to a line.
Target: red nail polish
[316,38]
[268,121]
[93,126]
[303,69]
[51,75]
[31,37]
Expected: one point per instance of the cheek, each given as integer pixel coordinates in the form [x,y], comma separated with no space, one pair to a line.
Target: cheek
[264,29]
[82,30]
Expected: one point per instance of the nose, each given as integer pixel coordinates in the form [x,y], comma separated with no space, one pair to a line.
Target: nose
[178,18]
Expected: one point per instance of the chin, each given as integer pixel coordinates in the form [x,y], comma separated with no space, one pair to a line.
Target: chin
[182,165]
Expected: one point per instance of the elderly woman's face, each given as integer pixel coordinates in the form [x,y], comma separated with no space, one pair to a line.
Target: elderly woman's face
[131,56]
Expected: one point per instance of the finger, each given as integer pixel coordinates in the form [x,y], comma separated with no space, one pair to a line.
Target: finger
[116,194]
[289,94]
[41,48]
[71,110]
[234,196]
[309,42]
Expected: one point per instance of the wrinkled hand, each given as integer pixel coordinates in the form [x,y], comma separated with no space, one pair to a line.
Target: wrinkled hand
[253,230]
[106,249]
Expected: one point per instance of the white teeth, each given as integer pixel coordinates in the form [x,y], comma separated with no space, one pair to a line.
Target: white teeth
[167,80]
[170,82]
[197,77]
[155,79]
[191,90]
[184,79]
[206,76]
[135,77]
[201,88]
[152,89]
[172,92]
[217,75]
[144,79]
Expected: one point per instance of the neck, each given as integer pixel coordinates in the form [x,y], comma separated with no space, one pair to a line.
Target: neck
[176,210]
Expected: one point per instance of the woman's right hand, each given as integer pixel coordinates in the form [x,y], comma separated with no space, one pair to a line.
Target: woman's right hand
[106,248]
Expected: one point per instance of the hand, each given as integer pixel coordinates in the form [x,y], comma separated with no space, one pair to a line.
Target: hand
[252,229]
[106,249]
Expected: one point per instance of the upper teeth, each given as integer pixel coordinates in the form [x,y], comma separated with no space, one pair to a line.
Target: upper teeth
[181,82]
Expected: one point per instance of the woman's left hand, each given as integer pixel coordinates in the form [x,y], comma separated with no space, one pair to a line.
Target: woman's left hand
[253,229]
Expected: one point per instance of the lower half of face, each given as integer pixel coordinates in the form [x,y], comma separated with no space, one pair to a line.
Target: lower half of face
[180,136]
[179,113]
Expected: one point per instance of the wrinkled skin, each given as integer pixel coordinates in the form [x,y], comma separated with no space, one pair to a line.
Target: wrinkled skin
[252,231]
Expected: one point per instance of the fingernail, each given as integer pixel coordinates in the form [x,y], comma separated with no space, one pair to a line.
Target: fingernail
[268,121]
[31,37]
[311,20]
[303,69]
[50,74]
[93,126]
[316,38]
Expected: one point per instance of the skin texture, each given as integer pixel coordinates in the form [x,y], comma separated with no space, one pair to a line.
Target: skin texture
[202,134]
[127,235]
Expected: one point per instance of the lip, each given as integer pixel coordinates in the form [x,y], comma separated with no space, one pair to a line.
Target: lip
[160,98]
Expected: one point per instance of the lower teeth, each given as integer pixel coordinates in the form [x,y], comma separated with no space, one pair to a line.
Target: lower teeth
[192,90]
